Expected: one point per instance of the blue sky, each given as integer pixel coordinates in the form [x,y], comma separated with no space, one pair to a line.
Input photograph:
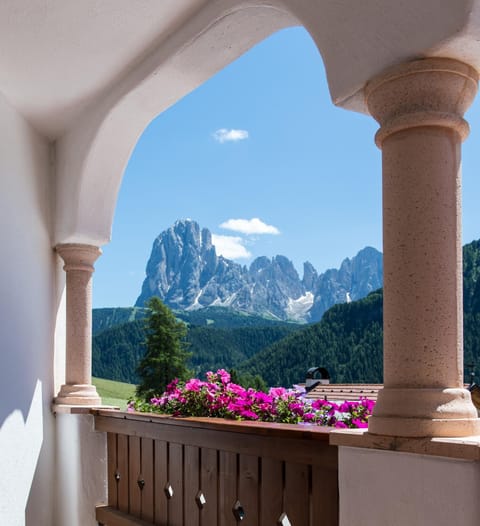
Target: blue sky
[263,140]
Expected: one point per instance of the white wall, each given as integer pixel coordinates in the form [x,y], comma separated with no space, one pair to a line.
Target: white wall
[27,313]
[386,488]
[82,468]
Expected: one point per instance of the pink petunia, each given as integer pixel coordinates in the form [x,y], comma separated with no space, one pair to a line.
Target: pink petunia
[277,392]
[246,413]
[224,376]
[194,384]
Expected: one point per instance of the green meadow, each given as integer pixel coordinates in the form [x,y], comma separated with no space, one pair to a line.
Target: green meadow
[114,393]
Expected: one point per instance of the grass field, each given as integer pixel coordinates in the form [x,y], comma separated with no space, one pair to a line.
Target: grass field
[114,393]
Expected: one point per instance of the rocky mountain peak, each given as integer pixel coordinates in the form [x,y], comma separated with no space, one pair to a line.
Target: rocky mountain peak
[310,276]
[185,271]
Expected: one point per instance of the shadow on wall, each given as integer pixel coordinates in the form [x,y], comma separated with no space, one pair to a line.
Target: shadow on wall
[27,318]
[27,299]
[23,436]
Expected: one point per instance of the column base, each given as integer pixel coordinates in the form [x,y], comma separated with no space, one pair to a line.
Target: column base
[413,412]
[78,394]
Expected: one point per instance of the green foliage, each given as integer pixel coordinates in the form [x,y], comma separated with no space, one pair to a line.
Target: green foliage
[166,355]
[471,305]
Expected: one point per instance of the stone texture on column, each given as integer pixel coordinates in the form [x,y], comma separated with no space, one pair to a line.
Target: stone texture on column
[79,260]
[420,107]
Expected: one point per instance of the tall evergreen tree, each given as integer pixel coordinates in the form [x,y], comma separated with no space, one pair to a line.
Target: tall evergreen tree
[166,355]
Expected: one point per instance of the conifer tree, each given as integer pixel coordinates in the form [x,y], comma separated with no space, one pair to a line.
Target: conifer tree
[166,355]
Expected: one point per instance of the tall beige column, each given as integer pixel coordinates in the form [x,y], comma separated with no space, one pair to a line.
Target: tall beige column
[79,260]
[420,107]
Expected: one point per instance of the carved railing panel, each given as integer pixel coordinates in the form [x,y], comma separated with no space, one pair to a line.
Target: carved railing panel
[209,472]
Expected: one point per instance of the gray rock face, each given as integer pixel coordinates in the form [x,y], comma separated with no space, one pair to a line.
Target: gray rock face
[355,279]
[186,273]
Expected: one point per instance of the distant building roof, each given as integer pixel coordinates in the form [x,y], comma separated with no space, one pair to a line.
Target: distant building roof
[353,392]
[342,392]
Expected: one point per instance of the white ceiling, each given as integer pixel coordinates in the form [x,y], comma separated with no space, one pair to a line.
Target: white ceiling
[56,55]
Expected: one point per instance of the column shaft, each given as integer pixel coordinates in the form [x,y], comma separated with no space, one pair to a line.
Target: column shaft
[79,327]
[422,258]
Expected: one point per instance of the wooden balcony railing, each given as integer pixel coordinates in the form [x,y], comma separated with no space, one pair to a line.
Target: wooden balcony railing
[212,472]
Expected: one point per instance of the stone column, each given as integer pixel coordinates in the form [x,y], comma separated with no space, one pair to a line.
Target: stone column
[79,260]
[420,107]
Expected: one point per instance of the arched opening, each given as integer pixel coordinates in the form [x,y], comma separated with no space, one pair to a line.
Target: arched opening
[291,171]
[114,119]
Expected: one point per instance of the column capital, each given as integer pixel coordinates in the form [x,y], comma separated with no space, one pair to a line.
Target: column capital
[78,256]
[428,92]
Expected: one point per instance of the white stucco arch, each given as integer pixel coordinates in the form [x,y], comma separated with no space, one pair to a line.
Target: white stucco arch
[356,42]
[92,156]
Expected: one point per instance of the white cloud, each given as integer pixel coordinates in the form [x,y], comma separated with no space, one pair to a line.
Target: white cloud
[250,226]
[230,247]
[224,135]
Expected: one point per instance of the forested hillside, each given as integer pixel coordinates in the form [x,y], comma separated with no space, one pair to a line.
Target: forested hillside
[471,305]
[348,342]
[213,348]
[117,351]
[109,317]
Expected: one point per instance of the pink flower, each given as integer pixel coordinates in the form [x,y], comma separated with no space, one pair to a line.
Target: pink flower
[263,398]
[236,389]
[277,392]
[346,407]
[297,408]
[194,384]
[359,423]
[172,385]
[368,404]
[319,404]
[224,376]
[246,413]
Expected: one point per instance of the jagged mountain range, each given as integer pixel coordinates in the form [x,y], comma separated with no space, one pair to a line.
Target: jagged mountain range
[185,271]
